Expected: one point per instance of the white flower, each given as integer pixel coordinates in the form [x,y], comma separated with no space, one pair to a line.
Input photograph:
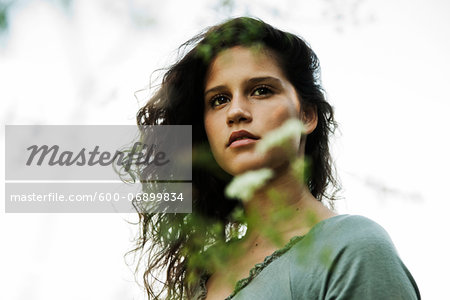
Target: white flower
[244,186]
[280,136]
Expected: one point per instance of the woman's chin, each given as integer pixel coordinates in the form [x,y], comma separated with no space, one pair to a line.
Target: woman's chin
[242,167]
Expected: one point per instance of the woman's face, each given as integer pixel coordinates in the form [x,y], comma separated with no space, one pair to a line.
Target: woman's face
[246,90]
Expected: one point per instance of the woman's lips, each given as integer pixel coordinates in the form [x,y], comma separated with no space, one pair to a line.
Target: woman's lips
[241,135]
[242,142]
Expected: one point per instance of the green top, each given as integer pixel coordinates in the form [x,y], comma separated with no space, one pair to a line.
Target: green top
[343,257]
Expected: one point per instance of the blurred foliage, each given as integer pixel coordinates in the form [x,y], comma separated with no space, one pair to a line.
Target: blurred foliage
[219,253]
[339,12]
[7,6]
[244,186]
[4,8]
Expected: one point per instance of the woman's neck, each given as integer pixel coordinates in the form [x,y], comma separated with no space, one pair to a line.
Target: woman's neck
[285,207]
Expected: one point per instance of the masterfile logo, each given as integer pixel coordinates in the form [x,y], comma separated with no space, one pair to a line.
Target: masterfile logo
[82,152]
[80,168]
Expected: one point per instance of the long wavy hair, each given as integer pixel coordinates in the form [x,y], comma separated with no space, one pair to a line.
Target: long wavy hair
[178,243]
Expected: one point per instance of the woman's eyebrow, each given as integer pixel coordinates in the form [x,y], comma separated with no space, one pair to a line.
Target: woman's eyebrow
[262,79]
[215,89]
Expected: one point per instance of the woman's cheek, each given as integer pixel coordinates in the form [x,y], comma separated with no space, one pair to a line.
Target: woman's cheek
[284,112]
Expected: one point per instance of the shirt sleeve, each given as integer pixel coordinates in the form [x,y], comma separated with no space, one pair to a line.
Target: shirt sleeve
[368,267]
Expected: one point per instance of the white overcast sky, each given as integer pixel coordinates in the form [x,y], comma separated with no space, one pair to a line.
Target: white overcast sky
[385,68]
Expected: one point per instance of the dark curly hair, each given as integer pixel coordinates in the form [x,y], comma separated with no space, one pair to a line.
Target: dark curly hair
[172,241]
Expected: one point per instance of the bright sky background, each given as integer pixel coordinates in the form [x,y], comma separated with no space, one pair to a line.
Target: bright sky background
[385,66]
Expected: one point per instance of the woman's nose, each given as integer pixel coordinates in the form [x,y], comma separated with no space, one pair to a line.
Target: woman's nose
[238,111]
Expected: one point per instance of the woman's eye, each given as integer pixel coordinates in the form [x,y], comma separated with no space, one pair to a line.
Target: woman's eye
[262,91]
[218,100]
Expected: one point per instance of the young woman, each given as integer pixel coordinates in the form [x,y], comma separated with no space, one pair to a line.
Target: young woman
[238,82]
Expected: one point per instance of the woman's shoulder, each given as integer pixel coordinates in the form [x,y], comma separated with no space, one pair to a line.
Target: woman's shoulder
[356,256]
[345,221]
[347,237]
[350,229]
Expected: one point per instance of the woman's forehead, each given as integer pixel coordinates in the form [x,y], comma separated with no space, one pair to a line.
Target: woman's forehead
[239,60]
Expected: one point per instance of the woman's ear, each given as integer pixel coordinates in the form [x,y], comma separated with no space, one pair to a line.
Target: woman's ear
[309,118]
